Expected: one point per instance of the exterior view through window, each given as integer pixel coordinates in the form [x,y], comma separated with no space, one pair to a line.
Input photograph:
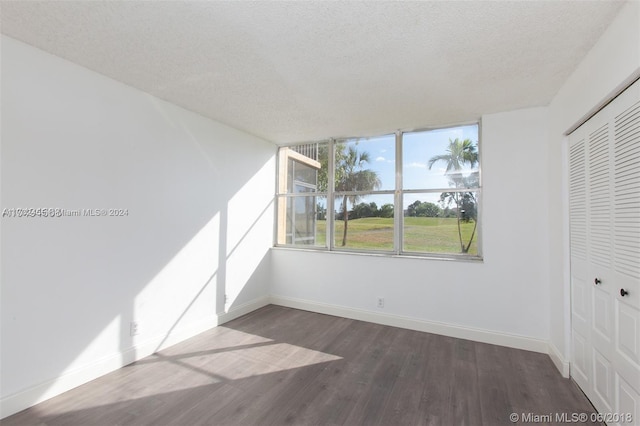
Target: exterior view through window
[414,193]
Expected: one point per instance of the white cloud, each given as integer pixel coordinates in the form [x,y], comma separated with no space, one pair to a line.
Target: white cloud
[380,159]
[416,165]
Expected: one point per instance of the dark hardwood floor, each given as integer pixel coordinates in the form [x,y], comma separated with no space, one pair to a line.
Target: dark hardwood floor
[281,366]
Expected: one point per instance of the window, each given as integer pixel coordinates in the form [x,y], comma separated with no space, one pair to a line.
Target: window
[441,190]
[302,185]
[364,171]
[415,193]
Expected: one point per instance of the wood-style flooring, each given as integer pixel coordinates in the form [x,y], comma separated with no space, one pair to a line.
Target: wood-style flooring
[281,366]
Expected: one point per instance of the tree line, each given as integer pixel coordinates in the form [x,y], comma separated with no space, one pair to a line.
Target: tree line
[415,209]
[363,210]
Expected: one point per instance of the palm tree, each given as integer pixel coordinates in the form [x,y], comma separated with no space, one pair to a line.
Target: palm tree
[459,154]
[352,176]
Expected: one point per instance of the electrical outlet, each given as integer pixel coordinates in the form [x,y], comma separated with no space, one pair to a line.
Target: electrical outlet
[381,302]
[133,328]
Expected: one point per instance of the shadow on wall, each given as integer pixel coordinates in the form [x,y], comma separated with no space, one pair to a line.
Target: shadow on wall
[246,284]
[83,295]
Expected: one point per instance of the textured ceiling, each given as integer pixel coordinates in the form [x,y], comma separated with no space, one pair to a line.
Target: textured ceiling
[298,71]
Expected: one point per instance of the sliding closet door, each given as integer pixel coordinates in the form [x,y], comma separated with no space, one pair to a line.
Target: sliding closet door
[604,202]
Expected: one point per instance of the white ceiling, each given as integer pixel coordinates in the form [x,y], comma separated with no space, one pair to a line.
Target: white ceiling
[300,71]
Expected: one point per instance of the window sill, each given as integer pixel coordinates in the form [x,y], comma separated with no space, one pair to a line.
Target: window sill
[426,256]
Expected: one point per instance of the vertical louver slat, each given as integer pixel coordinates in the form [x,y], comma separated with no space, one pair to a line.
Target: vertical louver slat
[578,201]
[627,191]
[599,197]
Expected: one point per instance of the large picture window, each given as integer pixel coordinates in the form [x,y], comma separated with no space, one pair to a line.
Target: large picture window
[414,193]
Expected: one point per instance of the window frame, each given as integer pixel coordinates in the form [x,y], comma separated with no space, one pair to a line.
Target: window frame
[398,199]
[282,181]
[334,194]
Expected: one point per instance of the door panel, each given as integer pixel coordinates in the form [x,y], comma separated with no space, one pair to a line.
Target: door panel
[628,402]
[628,331]
[626,247]
[580,285]
[626,177]
[627,344]
[581,360]
[602,382]
[599,195]
[602,315]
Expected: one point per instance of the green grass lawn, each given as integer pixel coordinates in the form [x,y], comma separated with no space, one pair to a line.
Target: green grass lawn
[421,234]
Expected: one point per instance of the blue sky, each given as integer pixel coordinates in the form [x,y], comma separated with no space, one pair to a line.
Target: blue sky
[418,148]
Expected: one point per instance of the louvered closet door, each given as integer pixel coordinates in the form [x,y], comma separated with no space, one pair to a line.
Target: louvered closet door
[591,229]
[580,289]
[604,202]
[626,250]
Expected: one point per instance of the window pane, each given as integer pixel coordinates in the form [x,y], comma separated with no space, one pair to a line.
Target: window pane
[441,223]
[302,220]
[368,222]
[302,173]
[442,158]
[365,164]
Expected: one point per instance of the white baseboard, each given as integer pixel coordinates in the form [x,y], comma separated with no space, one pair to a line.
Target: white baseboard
[19,401]
[245,308]
[475,334]
[559,361]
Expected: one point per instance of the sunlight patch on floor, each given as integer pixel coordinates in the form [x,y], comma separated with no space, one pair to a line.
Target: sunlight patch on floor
[254,361]
[219,356]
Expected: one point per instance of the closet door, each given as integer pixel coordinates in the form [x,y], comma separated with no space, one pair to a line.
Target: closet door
[604,202]
[591,272]
[580,288]
[626,250]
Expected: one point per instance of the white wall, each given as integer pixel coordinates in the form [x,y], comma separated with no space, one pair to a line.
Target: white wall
[506,294]
[199,224]
[611,62]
